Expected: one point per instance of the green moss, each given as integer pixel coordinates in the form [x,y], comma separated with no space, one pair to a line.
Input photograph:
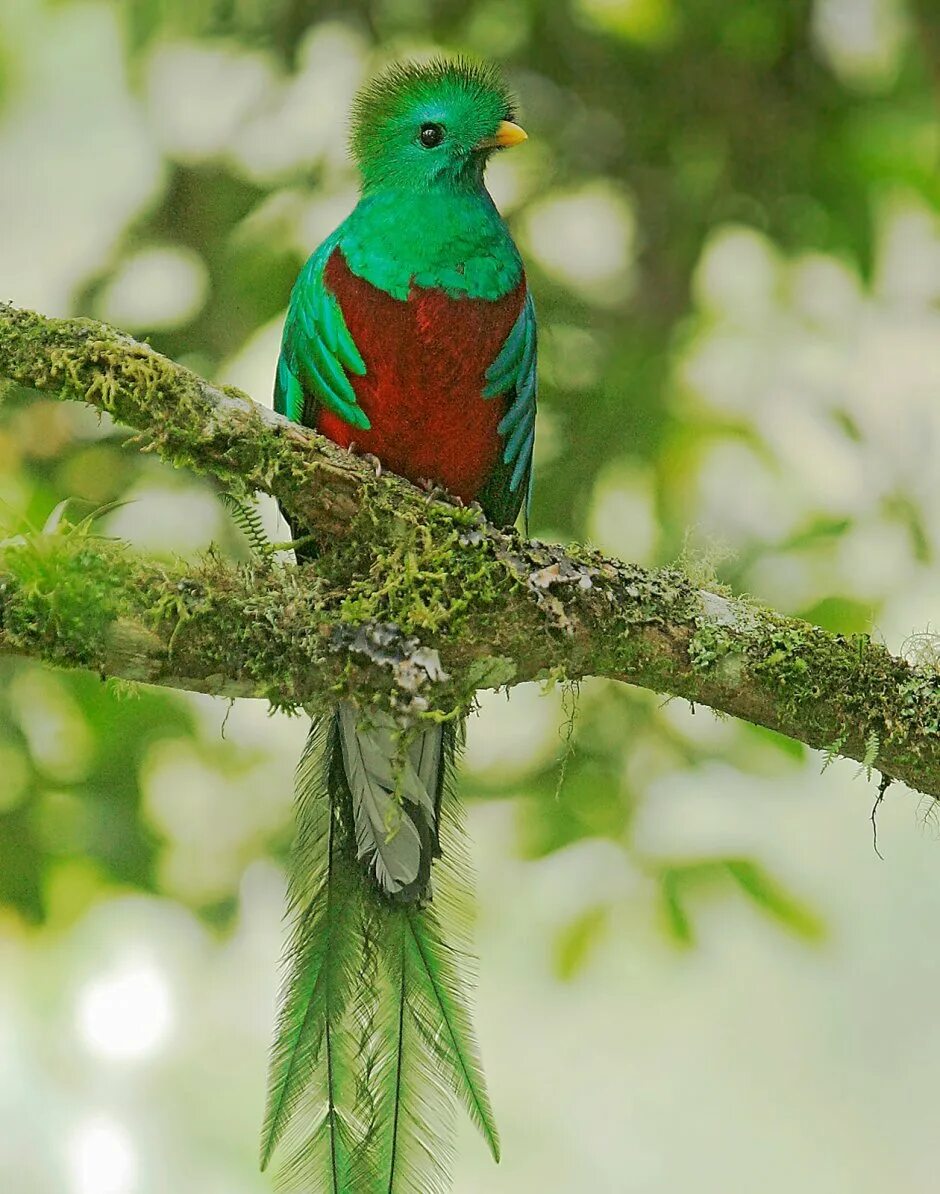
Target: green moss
[920,701]
[710,644]
[102,372]
[701,562]
[426,577]
[69,591]
[783,664]
[493,671]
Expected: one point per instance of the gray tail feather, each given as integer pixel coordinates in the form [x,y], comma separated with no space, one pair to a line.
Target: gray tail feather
[394,790]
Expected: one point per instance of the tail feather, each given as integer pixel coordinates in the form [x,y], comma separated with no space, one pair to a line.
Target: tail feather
[443,1017]
[393,794]
[412,1124]
[323,955]
[374,1036]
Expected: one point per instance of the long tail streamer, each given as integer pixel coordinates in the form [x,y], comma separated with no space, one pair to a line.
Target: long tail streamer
[374,1041]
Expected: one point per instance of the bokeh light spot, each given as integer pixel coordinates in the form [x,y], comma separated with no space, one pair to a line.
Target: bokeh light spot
[102,1158]
[862,39]
[127,1014]
[623,517]
[60,742]
[156,288]
[183,519]
[738,276]
[585,239]
[645,21]
[199,96]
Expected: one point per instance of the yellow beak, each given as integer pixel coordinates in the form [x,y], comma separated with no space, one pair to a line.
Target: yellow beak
[506,135]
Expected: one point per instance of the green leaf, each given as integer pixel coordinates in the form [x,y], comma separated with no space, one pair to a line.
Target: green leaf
[247,518]
[577,941]
[774,900]
[677,920]
[841,615]
[679,881]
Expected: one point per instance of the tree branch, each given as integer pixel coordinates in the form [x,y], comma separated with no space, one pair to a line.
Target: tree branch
[193,424]
[411,601]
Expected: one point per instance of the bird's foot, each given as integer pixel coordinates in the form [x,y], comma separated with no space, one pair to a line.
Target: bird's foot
[437,493]
[369,457]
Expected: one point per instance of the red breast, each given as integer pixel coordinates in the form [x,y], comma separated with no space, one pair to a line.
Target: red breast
[426,358]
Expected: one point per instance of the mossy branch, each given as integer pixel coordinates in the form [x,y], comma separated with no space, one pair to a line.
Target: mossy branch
[193,424]
[411,602]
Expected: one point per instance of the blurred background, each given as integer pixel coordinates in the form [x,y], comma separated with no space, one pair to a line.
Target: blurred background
[696,973]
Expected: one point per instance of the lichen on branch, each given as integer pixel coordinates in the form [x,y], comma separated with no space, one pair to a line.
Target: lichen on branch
[411,602]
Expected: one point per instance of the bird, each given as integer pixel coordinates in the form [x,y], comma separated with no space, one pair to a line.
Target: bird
[410,336]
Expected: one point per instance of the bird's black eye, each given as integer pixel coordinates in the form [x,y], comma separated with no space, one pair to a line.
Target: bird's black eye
[431,135]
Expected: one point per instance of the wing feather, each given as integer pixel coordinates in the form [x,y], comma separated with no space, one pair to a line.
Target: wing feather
[317,350]
[514,373]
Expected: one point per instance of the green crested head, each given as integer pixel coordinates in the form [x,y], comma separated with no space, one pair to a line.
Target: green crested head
[432,126]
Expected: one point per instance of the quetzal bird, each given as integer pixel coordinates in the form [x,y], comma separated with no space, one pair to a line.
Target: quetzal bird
[411,336]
